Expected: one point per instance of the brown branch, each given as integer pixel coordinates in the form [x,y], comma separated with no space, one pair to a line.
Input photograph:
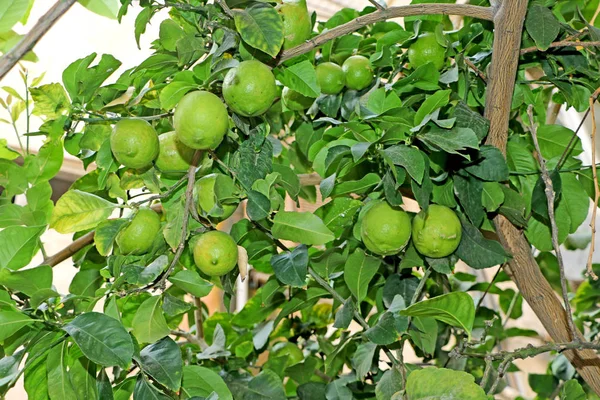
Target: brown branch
[466,10]
[68,251]
[562,43]
[198,318]
[589,268]
[523,268]
[551,197]
[477,70]
[10,59]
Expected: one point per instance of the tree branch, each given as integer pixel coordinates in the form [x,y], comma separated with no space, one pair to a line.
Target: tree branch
[10,59]
[562,43]
[466,10]
[116,119]
[589,267]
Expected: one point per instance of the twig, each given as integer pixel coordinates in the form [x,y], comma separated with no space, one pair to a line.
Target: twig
[562,43]
[169,192]
[198,318]
[8,60]
[487,372]
[225,8]
[487,289]
[190,338]
[466,10]
[378,5]
[589,268]
[550,196]
[477,70]
[115,119]
[71,249]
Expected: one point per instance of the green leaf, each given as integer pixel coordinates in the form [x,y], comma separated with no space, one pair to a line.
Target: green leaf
[553,140]
[455,309]
[86,282]
[27,281]
[265,386]
[191,282]
[449,385]
[389,384]
[345,314]
[6,152]
[361,186]
[301,227]
[201,382]
[467,118]
[9,367]
[82,81]
[11,12]
[149,324]
[291,267]
[105,390]
[144,390]
[492,196]
[489,165]
[18,245]
[434,102]
[83,376]
[468,190]
[46,164]
[261,27]
[384,332]
[78,211]
[408,157]
[301,78]
[477,251]
[162,361]
[358,273]
[106,233]
[59,384]
[105,8]
[11,322]
[362,360]
[50,100]
[173,92]
[542,25]
[572,390]
[339,214]
[451,141]
[102,339]
[254,160]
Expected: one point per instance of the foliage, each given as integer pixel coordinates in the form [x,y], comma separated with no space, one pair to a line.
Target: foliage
[413,132]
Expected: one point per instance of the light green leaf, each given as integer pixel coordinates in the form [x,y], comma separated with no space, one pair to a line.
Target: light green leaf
[11,322]
[6,152]
[492,196]
[455,309]
[18,245]
[78,211]
[358,273]
[434,102]
[173,92]
[360,186]
[260,26]
[301,227]
[105,8]
[201,382]
[191,282]
[102,339]
[339,213]
[46,164]
[572,390]
[554,139]
[50,100]
[300,77]
[59,384]
[438,383]
[149,324]
[11,12]
[27,281]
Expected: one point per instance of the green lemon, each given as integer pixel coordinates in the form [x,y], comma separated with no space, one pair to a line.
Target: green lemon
[289,349]
[173,157]
[134,143]
[215,253]
[296,101]
[138,236]
[385,230]
[249,89]
[206,198]
[437,232]
[201,120]
[297,25]
[330,78]
[426,49]
[358,72]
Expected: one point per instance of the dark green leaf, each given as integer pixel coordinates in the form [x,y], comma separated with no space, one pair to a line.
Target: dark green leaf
[162,361]
[408,157]
[192,283]
[363,359]
[542,25]
[291,267]
[489,165]
[358,273]
[144,390]
[261,27]
[149,324]
[59,384]
[384,332]
[477,251]
[344,316]
[11,322]
[265,386]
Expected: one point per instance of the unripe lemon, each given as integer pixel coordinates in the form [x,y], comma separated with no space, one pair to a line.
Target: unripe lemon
[426,49]
[437,232]
[215,253]
[330,78]
[249,89]
[173,157]
[201,120]
[385,230]
[358,72]
[134,143]
[296,101]
[138,236]
[297,25]
[206,198]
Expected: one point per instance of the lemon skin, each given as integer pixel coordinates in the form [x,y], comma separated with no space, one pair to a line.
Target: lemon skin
[204,190]
[174,157]
[215,253]
[137,238]
[426,49]
[437,232]
[385,230]
[249,89]
[330,78]
[358,72]
[201,120]
[134,143]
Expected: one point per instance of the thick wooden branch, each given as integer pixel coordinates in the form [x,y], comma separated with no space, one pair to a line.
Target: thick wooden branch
[466,10]
[523,268]
[26,44]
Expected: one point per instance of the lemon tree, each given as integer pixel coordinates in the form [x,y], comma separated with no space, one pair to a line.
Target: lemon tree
[376,165]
